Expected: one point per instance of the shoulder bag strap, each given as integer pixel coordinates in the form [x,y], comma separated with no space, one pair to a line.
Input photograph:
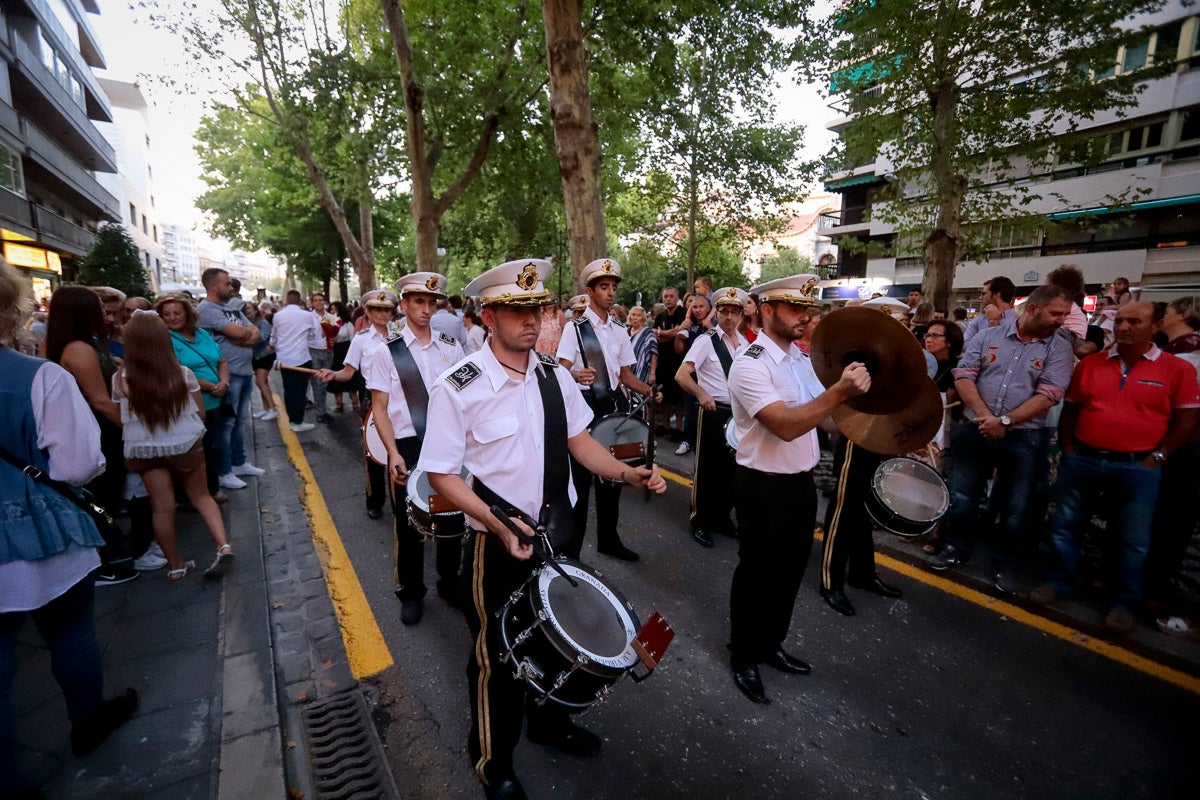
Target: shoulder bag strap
[556,468]
[593,355]
[413,384]
[722,352]
[39,476]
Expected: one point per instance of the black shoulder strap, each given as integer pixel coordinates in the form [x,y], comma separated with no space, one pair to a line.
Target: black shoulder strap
[722,351]
[556,470]
[413,384]
[593,356]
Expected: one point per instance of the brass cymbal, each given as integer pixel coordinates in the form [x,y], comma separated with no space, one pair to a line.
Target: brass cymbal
[890,351]
[901,431]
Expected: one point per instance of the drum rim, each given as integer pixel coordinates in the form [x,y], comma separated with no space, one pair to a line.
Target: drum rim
[546,575]
[730,425]
[622,418]
[875,479]
[412,498]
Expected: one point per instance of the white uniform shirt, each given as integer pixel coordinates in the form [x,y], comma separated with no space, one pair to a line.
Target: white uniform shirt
[709,373]
[763,374]
[294,330]
[379,371]
[362,345]
[614,342]
[494,426]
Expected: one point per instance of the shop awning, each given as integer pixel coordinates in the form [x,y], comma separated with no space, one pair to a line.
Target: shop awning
[1143,205]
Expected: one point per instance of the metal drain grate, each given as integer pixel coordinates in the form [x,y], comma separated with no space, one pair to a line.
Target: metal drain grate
[345,755]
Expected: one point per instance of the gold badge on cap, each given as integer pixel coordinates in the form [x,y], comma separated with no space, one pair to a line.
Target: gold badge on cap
[606,267]
[731,294]
[431,283]
[807,289]
[383,298]
[528,277]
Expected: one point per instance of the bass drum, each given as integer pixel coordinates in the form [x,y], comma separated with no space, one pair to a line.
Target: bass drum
[429,513]
[627,438]
[372,442]
[569,644]
[907,496]
[731,435]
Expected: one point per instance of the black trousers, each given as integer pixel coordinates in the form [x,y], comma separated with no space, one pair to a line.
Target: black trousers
[295,392]
[712,486]
[376,483]
[498,699]
[608,498]
[848,526]
[410,545]
[776,516]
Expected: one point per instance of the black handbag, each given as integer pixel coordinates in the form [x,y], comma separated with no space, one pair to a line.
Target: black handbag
[84,499]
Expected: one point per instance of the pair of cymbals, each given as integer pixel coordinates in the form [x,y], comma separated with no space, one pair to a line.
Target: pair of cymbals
[902,411]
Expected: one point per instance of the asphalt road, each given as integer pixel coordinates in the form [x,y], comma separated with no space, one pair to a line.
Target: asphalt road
[928,696]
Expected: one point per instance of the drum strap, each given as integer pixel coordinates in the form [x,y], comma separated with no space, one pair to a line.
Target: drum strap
[722,352]
[413,384]
[593,356]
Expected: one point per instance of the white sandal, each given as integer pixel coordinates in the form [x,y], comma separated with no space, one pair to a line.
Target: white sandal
[1179,626]
[221,564]
[176,575]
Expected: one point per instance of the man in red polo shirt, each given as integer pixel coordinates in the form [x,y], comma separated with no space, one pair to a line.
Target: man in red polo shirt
[1127,409]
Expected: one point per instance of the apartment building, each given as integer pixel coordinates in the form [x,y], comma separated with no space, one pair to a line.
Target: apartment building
[180,264]
[1154,148]
[50,148]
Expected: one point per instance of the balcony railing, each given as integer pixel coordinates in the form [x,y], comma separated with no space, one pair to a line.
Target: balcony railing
[14,210]
[62,232]
[67,49]
[850,215]
[59,162]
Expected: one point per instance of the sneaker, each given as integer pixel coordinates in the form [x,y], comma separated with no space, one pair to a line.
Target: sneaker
[269,414]
[116,572]
[302,427]
[1043,595]
[230,481]
[1004,581]
[259,414]
[248,469]
[950,556]
[148,561]
[154,548]
[683,449]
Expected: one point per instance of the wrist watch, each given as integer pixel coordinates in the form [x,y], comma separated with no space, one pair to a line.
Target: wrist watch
[1005,420]
[1159,456]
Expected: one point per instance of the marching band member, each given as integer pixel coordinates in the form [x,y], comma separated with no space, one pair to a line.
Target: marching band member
[704,374]
[777,404]
[517,421]
[380,305]
[596,350]
[399,375]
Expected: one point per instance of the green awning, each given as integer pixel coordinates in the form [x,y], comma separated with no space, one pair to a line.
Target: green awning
[853,180]
[1143,205]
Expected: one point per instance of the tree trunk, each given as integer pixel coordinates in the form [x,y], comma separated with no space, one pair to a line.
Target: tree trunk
[943,246]
[363,264]
[576,140]
[366,235]
[343,288]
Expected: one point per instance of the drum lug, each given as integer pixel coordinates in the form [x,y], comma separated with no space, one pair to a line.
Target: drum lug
[528,671]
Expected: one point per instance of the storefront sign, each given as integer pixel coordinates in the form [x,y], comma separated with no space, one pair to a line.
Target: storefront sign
[35,257]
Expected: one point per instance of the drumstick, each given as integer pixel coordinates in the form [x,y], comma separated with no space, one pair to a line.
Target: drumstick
[499,514]
[305,370]
[949,406]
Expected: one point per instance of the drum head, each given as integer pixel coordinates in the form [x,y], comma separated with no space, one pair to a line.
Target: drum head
[911,490]
[419,488]
[591,617]
[731,434]
[620,429]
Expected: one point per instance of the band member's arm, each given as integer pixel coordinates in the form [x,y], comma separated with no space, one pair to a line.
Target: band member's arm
[685,377]
[343,375]
[568,353]
[397,469]
[455,490]
[599,461]
[790,423]
[627,378]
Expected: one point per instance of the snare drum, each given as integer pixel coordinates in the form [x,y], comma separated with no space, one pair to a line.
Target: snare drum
[569,644]
[372,442]
[429,513]
[731,435]
[907,496]
[627,438]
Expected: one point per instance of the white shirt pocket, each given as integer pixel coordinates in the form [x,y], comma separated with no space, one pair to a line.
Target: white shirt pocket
[498,441]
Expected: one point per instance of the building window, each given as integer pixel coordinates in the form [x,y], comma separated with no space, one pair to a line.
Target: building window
[145,227]
[132,214]
[1189,127]
[11,175]
[155,229]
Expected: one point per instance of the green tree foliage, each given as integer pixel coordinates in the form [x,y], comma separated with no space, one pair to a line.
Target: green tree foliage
[114,261]
[964,99]
[784,262]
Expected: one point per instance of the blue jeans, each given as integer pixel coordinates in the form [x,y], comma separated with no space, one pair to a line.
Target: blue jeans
[1128,487]
[216,446]
[974,457]
[238,396]
[67,625]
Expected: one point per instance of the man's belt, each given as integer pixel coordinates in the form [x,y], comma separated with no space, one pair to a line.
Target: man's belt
[1112,455]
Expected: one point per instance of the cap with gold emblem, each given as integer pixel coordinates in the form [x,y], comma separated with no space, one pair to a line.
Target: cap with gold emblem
[513,283]
[888,305]
[378,298]
[578,303]
[730,296]
[798,289]
[600,268]
[422,283]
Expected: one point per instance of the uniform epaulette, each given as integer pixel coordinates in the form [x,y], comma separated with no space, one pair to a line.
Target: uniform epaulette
[549,361]
[714,333]
[754,351]
[394,338]
[447,339]
[617,321]
[364,330]
[464,375]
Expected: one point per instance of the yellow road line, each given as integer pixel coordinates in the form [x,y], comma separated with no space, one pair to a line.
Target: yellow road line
[365,647]
[1018,614]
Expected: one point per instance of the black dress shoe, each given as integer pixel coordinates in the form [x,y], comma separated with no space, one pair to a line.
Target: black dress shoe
[374,513]
[411,611]
[618,551]
[507,789]
[750,682]
[877,586]
[703,538]
[784,662]
[571,740]
[838,601]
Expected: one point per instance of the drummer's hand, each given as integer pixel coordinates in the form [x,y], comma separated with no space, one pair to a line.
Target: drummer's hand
[325,375]
[647,477]
[707,402]
[584,376]
[855,379]
[515,547]
[397,469]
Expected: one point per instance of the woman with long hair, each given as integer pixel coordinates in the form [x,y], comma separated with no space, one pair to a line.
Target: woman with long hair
[163,414]
[341,346]
[262,359]
[76,340]
[751,319]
